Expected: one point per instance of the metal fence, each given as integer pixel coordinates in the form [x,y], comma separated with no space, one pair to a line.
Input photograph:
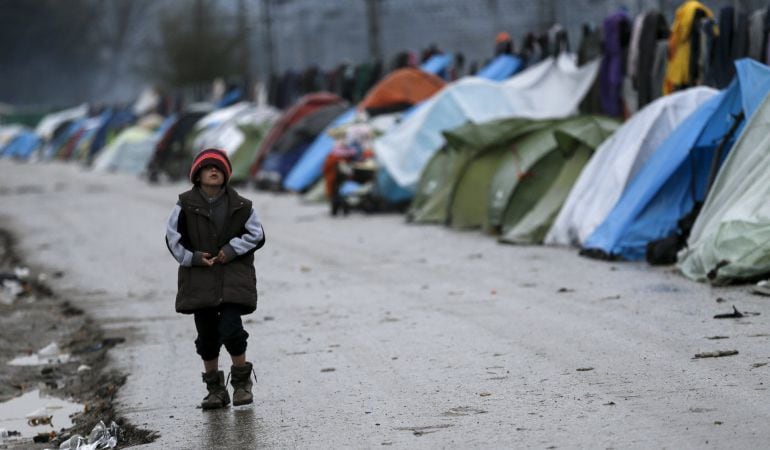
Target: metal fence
[326,32]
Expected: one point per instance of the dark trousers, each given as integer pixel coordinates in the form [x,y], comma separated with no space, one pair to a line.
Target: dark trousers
[220,326]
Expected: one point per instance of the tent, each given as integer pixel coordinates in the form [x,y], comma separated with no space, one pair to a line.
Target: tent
[128,152]
[48,124]
[308,169]
[289,148]
[516,183]
[500,68]
[617,161]
[675,177]
[173,152]
[400,90]
[438,64]
[208,129]
[730,240]
[437,181]
[77,149]
[242,158]
[223,128]
[552,88]
[22,145]
[301,108]
[526,199]
[114,120]
[8,132]
[238,130]
[61,136]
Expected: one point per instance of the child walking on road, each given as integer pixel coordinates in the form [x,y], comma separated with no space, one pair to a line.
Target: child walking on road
[213,233]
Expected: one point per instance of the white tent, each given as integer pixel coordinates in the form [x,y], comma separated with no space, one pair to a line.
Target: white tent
[220,116]
[147,102]
[48,124]
[551,88]
[220,128]
[616,162]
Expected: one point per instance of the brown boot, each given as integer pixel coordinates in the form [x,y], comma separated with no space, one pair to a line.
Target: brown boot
[217,396]
[240,378]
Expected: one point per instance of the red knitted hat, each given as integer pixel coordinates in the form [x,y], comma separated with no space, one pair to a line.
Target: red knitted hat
[214,157]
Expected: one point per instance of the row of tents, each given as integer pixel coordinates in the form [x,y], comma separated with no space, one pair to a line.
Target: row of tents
[503,151]
[681,181]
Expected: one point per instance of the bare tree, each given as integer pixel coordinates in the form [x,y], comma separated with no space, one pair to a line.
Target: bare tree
[196,45]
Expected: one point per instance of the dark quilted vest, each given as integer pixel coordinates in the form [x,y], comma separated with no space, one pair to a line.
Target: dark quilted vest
[205,287]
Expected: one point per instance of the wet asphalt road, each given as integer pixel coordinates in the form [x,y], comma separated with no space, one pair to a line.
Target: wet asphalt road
[371,332]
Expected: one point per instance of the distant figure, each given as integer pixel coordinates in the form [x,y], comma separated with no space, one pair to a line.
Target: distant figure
[531,51]
[458,68]
[503,44]
[474,68]
[429,52]
[401,60]
[213,233]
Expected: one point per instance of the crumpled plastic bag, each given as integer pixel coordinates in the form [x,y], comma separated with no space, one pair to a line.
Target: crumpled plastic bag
[101,437]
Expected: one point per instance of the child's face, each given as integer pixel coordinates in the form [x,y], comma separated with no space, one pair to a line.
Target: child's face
[211,176]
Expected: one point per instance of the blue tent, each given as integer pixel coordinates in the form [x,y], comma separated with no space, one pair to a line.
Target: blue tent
[22,146]
[231,97]
[308,168]
[676,176]
[438,64]
[501,67]
[68,130]
[112,120]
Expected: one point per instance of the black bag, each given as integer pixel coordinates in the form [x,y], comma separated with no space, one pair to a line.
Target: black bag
[663,251]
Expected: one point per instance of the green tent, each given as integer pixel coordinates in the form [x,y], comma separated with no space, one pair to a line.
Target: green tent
[438,180]
[525,199]
[516,184]
[730,240]
[244,156]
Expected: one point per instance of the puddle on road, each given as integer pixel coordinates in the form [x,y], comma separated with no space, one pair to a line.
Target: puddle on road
[14,412]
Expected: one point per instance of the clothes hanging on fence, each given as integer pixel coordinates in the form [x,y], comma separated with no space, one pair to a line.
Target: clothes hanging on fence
[678,73]
[654,30]
[617,34]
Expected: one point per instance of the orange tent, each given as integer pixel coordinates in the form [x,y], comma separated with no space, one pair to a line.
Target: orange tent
[400,90]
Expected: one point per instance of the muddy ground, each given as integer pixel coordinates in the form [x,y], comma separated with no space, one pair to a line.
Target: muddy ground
[37,317]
